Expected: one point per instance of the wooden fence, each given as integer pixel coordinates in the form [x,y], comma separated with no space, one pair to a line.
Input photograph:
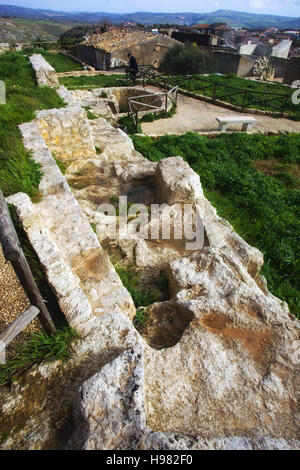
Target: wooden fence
[13,252]
[138,104]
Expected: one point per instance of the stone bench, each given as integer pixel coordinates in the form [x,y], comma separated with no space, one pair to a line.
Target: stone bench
[245,120]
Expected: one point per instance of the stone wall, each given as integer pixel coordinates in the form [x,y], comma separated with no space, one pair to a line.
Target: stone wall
[4,47]
[233,63]
[293,70]
[44,72]
[66,133]
[149,52]
[90,55]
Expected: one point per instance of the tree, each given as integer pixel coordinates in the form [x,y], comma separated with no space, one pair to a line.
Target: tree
[187,58]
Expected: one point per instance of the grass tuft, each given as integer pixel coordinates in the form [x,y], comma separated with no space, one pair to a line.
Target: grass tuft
[40,347]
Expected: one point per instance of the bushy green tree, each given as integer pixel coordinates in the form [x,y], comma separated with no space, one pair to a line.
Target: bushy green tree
[187,58]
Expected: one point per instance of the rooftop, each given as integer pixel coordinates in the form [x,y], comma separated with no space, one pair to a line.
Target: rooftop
[112,41]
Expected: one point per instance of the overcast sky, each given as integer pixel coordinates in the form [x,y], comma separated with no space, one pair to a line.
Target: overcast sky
[275,7]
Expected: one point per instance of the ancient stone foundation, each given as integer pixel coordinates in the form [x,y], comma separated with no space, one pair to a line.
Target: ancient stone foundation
[218,367]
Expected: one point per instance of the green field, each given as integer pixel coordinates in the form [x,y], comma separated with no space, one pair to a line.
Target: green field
[260,95]
[253,181]
[59,62]
[101,81]
[18,171]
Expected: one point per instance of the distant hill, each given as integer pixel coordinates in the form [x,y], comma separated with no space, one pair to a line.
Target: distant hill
[13,30]
[249,20]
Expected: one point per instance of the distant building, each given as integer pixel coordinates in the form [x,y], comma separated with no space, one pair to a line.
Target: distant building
[201,39]
[222,30]
[280,50]
[109,50]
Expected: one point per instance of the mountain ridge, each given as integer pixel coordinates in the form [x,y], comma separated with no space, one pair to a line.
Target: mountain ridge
[232,17]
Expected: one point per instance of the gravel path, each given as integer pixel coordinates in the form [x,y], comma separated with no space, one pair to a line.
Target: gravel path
[199,116]
[13,300]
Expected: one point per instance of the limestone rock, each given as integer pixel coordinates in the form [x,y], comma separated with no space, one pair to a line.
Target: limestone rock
[176,182]
[110,411]
[263,69]
[45,73]
[135,171]
[236,357]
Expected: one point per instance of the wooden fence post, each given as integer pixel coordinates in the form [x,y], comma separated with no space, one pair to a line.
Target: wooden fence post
[13,252]
[12,330]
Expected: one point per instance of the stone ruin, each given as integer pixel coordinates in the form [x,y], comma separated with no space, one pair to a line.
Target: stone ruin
[218,367]
[263,69]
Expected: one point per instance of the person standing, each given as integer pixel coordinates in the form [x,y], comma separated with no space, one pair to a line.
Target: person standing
[133,68]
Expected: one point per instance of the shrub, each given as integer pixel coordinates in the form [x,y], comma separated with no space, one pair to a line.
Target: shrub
[184,59]
[128,125]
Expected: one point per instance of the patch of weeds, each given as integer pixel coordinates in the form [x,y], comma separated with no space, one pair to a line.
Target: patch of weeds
[141,295]
[103,94]
[94,228]
[40,347]
[77,185]
[3,437]
[114,200]
[62,166]
[163,284]
[98,150]
[141,318]
[127,124]
[150,117]
[91,115]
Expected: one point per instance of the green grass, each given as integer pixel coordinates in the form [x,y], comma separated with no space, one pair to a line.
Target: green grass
[129,126]
[141,319]
[100,81]
[60,164]
[40,347]
[253,99]
[18,170]
[91,115]
[59,62]
[150,117]
[263,209]
[141,296]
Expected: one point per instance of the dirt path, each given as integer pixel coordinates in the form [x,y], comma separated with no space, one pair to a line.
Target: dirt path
[199,116]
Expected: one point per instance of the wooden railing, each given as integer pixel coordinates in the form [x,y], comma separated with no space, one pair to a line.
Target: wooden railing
[137,104]
[13,252]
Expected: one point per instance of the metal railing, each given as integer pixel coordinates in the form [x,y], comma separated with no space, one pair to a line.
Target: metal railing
[219,92]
